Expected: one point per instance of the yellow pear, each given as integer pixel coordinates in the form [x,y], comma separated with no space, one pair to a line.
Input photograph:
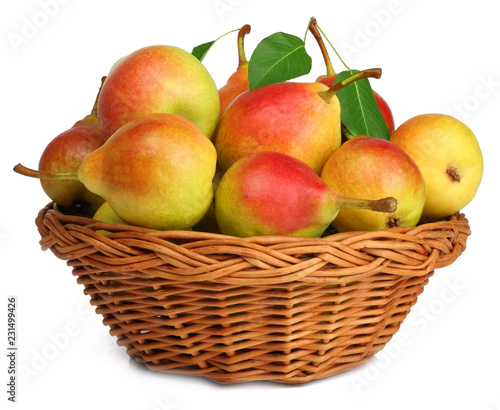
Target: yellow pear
[449,158]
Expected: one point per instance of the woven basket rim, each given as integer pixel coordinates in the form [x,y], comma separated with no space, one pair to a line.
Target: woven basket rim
[453,221]
[406,251]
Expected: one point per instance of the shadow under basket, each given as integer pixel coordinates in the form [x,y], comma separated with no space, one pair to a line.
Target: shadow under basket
[281,309]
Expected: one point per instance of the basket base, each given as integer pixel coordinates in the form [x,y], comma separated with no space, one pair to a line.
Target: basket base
[253,375]
[296,349]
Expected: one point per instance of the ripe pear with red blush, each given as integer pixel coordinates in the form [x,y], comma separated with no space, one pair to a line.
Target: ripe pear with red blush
[329,78]
[270,193]
[298,119]
[238,81]
[65,153]
[373,168]
[155,172]
[158,79]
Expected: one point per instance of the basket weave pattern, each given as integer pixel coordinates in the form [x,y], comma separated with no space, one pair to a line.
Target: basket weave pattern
[282,309]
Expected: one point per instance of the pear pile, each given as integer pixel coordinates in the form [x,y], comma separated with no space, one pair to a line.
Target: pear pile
[164,148]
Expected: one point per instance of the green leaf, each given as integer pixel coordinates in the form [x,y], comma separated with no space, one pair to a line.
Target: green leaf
[277,58]
[200,51]
[359,110]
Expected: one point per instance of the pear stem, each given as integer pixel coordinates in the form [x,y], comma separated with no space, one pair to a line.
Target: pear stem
[333,48]
[387,205]
[453,174]
[335,88]
[330,72]
[241,44]
[28,172]
[94,108]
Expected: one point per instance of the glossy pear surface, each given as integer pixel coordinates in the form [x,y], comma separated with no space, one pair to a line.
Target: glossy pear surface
[449,157]
[373,168]
[158,79]
[155,172]
[288,117]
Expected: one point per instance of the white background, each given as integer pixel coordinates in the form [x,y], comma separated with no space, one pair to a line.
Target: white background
[436,57]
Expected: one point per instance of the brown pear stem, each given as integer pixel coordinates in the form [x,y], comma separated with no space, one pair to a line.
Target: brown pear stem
[241,44]
[387,205]
[94,108]
[28,172]
[330,72]
[335,88]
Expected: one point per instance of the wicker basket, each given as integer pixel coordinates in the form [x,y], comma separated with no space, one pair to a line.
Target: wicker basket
[282,309]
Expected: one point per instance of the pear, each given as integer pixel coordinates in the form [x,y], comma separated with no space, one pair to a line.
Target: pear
[373,168]
[158,79]
[271,193]
[448,155]
[106,214]
[297,119]
[155,172]
[238,81]
[64,153]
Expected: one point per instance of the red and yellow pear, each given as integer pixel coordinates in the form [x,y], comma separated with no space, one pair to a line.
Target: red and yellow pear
[298,119]
[158,79]
[371,168]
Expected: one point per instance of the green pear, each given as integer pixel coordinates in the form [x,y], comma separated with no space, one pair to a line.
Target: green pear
[155,172]
[106,214]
